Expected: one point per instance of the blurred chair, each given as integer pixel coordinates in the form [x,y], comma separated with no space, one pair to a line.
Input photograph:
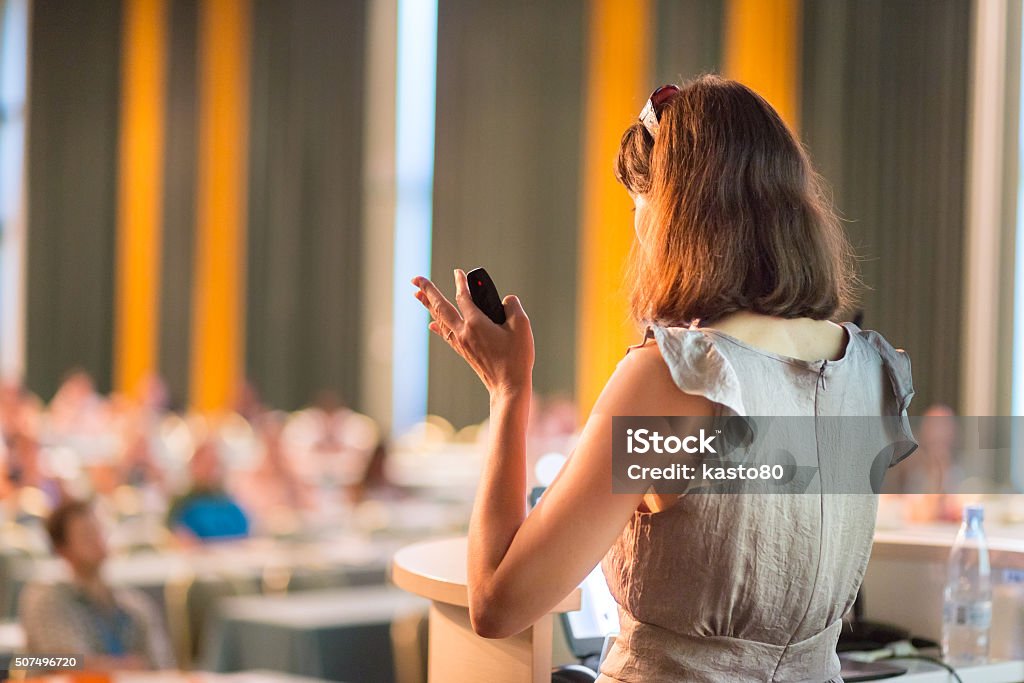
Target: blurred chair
[409,647]
[201,602]
[127,502]
[433,431]
[317,575]
[176,602]
[470,433]
[33,505]
[191,602]
[12,564]
[275,579]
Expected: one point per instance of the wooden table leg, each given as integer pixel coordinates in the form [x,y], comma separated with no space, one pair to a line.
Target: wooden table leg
[458,655]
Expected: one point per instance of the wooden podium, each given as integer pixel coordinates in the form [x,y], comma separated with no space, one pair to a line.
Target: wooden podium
[437,570]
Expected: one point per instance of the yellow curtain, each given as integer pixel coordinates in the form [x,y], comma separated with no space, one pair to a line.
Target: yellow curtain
[762,50]
[218,316]
[618,66]
[140,192]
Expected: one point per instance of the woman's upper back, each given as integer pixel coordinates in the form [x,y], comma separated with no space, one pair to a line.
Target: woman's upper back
[766,576]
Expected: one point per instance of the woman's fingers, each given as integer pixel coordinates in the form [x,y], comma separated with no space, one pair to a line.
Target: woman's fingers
[440,308]
[514,311]
[462,295]
[440,330]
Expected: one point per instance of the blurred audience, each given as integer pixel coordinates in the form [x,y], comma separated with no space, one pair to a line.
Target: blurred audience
[206,511]
[26,469]
[138,466]
[114,628]
[274,484]
[248,402]
[375,484]
[931,480]
[77,408]
[335,443]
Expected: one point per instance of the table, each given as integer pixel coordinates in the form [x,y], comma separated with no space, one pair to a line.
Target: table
[437,570]
[906,576]
[241,566]
[926,672]
[12,641]
[335,635]
[255,676]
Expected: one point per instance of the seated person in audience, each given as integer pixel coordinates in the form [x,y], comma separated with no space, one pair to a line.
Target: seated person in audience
[375,483]
[138,466]
[932,480]
[339,443]
[26,469]
[77,409]
[155,397]
[274,483]
[207,512]
[20,409]
[248,402]
[112,628]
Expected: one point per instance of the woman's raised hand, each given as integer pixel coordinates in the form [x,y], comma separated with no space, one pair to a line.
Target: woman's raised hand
[501,355]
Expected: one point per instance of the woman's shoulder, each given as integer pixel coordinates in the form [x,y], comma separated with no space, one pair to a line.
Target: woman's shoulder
[895,361]
[644,384]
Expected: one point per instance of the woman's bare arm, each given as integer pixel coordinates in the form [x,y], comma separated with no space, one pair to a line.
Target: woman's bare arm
[519,566]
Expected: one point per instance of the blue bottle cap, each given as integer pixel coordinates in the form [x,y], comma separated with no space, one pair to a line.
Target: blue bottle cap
[974,513]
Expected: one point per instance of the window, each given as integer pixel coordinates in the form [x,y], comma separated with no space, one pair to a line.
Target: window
[13,88]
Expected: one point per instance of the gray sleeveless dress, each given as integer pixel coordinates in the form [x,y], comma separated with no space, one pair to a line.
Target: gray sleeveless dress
[752,588]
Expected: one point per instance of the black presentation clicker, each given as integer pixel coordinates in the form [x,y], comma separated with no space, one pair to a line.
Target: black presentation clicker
[485,295]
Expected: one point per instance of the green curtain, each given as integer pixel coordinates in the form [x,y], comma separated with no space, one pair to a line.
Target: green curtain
[884,113]
[689,39]
[305,199]
[179,200]
[72,180]
[506,183]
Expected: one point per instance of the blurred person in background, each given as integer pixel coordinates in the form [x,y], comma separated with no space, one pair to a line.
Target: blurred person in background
[375,484]
[553,429]
[248,402]
[113,628]
[331,413]
[76,407]
[206,511]
[931,482]
[138,465]
[334,443]
[26,468]
[155,398]
[274,484]
[19,408]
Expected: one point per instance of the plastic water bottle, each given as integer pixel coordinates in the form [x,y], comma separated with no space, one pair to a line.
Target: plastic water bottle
[967,612]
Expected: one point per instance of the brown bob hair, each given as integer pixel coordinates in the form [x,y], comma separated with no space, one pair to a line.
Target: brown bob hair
[736,218]
[59,520]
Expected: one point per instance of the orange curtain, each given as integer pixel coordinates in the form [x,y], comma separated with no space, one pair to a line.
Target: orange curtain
[618,68]
[762,49]
[218,315]
[140,192]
